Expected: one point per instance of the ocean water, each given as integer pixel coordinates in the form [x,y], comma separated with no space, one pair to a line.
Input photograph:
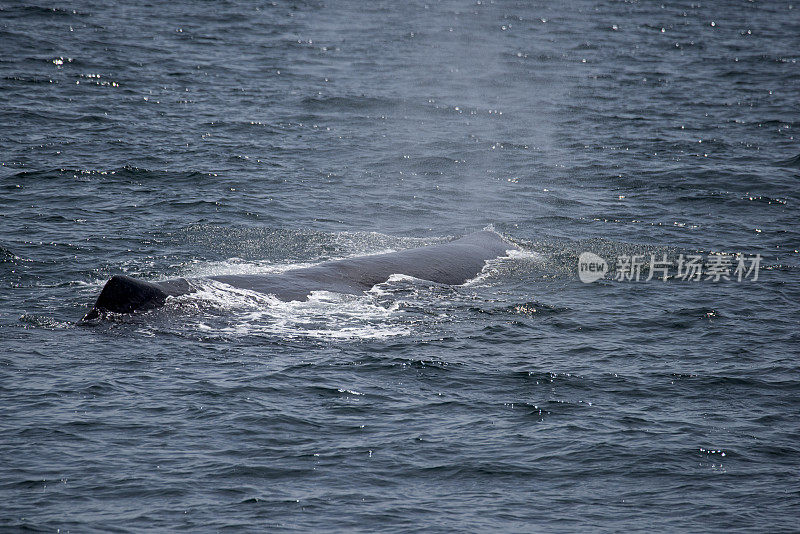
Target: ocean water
[163,139]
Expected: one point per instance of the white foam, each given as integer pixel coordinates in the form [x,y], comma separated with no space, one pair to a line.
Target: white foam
[325,315]
[526,255]
[495,266]
[240,266]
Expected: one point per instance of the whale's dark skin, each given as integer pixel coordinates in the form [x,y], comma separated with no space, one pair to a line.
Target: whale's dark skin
[451,263]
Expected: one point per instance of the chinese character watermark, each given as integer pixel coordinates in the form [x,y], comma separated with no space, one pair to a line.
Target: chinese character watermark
[689,267]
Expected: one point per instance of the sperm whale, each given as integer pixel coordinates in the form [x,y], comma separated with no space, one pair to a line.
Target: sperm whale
[451,263]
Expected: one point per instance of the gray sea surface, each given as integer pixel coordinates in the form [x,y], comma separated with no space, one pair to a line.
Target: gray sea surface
[194,138]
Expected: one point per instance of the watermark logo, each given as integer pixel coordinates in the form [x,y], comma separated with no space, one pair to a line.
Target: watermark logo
[690,267]
[591,267]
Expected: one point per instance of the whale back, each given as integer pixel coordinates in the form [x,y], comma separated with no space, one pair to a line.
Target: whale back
[451,263]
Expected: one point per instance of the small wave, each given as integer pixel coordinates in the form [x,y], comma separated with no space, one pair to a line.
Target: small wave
[126,172]
[7,256]
[34,11]
[793,162]
[531,308]
[340,103]
[30,79]
[42,321]
[727,197]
